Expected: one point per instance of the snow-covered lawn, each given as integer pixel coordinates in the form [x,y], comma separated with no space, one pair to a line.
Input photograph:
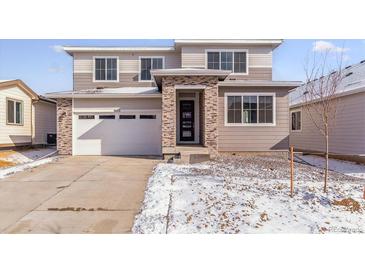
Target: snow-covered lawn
[249,195]
[13,161]
[345,167]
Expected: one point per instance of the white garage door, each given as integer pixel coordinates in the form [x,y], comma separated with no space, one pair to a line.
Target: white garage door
[127,133]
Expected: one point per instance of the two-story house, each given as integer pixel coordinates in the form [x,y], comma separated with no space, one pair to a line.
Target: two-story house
[218,94]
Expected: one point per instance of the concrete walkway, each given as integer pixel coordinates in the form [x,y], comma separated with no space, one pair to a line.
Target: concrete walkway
[87,194]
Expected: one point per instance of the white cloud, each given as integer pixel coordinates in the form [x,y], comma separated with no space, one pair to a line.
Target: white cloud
[327,46]
[57,48]
[55,69]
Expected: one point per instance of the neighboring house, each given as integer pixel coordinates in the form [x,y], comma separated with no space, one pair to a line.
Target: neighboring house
[217,94]
[347,134]
[25,117]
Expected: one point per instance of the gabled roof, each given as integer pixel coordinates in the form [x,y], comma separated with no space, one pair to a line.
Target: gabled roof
[124,92]
[20,84]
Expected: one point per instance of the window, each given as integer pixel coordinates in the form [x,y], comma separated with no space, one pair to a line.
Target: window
[107,117]
[265,109]
[148,63]
[106,69]
[144,116]
[296,121]
[234,60]
[213,60]
[250,109]
[226,60]
[127,116]
[234,109]
[86,117]
[14,112]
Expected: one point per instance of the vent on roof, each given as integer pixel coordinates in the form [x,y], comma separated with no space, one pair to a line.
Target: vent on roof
[348,74]
[347,67]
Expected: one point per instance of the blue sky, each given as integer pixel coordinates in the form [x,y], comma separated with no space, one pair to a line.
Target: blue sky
[44,67]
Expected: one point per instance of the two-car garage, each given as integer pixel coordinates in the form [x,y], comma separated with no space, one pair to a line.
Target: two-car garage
[108,126]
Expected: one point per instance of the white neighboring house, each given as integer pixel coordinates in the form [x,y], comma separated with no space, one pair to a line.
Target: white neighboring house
[26,118]
[347,135]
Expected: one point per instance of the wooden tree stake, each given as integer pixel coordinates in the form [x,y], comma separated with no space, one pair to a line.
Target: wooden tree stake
[291,171]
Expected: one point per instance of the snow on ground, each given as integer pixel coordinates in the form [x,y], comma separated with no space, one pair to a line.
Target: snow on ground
[249,195]
[345,167]
[25,155]
[19,160]
[4,172]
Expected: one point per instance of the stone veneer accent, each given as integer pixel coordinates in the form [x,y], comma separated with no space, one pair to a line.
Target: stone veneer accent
[64,126]
[210,110]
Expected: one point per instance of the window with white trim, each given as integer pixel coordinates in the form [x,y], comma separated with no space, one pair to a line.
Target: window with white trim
[106,69]
[250,109]
[148,63]
[14,115]
[227,60]
[296,120]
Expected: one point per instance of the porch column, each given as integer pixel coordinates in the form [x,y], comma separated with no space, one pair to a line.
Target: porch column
[211,115]
[168,116]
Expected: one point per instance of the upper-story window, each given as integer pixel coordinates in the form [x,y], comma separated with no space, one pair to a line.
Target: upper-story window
[148,63]
[235,60]
[106,69]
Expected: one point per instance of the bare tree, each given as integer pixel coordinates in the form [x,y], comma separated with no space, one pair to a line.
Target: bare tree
[320,92]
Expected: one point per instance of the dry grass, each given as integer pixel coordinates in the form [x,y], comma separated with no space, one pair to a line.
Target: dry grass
[349,203]
[6,153]
[6,164]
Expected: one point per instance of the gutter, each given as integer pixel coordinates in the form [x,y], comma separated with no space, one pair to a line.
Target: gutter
[98,96]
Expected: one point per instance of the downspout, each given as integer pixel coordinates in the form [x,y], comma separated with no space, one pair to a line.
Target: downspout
[31,121]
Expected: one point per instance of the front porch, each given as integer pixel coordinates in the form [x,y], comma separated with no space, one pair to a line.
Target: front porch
[191,154]
[189,112]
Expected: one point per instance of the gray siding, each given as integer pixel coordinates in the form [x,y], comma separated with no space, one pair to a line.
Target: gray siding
[85,81]
[128,68]
[44,121]
[254,74]
[259,60]
[347,135]
[254,138]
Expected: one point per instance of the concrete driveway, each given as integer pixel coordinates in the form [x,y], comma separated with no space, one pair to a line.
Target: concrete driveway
[84,194]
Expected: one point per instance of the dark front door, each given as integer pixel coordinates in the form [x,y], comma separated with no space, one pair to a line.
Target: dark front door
[186,120]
